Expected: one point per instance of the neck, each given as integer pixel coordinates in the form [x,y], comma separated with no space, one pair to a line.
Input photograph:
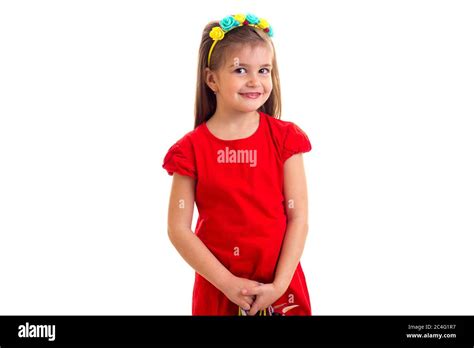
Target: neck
[234,118]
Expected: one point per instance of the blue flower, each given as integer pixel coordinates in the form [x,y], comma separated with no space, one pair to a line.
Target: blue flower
[228,23]
[270,31]
[252,19]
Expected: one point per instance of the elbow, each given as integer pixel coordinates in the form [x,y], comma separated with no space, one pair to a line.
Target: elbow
[171,234]
[300,220]
[305,227]
[300,223]
[175,232]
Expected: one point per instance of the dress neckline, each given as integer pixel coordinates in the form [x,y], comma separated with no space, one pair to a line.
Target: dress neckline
[254,134]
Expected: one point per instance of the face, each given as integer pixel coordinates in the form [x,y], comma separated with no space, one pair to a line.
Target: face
[243,83]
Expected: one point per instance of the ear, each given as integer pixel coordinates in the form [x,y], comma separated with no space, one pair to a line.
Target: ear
[211,79]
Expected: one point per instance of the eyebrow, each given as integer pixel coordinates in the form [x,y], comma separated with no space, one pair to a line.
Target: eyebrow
[243,64]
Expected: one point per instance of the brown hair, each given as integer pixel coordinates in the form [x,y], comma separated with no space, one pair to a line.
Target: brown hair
[206,103]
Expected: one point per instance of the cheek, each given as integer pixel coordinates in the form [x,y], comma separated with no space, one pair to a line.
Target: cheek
[236,85]
[230,85]
[269,85]
[230,81]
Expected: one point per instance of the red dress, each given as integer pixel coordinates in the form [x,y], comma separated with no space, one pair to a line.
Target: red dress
[242,217]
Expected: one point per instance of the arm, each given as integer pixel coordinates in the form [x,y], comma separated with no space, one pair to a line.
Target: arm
[295,236]
[297,229]
[189,246]
[192,249]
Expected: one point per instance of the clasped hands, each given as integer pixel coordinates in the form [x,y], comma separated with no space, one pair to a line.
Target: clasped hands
[251,295]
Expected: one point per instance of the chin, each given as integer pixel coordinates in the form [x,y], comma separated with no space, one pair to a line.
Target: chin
[249,108]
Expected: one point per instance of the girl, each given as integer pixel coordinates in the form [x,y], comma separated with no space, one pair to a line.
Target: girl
[243,167]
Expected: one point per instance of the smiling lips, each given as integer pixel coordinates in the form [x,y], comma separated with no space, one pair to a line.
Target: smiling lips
[252,95]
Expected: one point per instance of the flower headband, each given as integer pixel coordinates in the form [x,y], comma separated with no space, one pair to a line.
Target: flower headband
[230,22]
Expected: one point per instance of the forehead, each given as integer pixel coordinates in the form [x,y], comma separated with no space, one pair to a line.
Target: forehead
[259,54]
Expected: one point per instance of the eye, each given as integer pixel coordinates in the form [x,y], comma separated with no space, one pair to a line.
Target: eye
[238,70]
[267,71]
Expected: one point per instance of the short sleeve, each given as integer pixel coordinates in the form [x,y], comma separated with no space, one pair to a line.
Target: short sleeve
[180,159]
[295,141]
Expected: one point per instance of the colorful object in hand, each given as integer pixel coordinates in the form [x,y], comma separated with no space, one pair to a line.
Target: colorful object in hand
[270,311]
[230,22]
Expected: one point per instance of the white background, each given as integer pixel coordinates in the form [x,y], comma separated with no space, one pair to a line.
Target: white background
[93,94]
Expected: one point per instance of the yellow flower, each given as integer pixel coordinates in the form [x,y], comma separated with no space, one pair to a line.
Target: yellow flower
[217,33]
[240,18]
[263,24]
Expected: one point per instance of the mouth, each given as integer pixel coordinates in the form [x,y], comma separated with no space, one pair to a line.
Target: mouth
[252,95]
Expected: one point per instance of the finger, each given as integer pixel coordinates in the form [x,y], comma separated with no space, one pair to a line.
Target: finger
[245,305]
[254,291]
[249,299]
[253,310]
[256,306]
[244,291]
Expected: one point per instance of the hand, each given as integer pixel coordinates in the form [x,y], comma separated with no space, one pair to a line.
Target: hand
[233,291]
[266,294]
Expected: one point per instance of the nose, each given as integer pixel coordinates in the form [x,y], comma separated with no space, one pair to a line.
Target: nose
[253,80]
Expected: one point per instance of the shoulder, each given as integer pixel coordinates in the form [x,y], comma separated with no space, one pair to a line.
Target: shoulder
[191,138]
[277,123]
[180,157]
[281,129]
[288,137]
[187,144]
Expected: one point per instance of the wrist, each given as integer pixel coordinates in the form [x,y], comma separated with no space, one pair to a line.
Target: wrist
[280,285]
[224,280]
